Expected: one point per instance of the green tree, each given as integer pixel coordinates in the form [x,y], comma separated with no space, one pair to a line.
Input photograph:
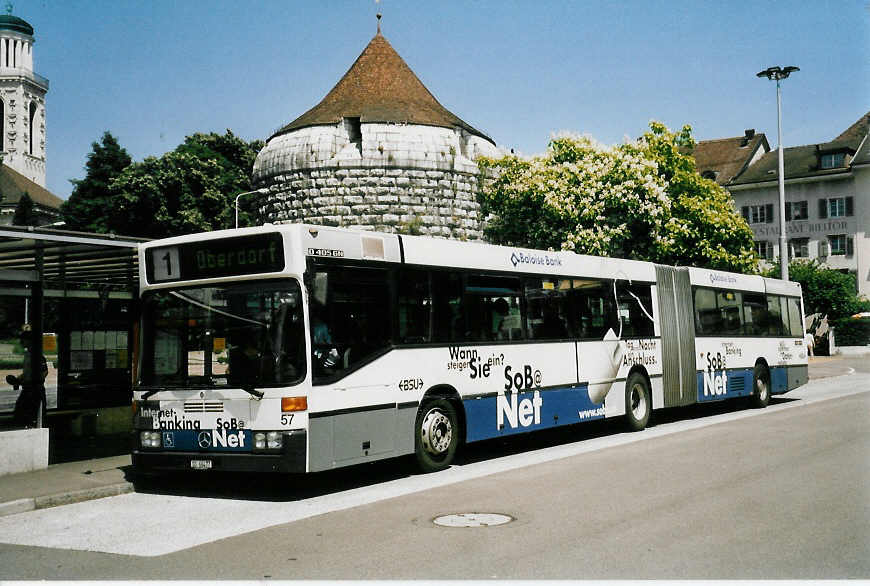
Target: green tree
[189,189]
[643,199]
[91,203]
[827,292]
[24,215]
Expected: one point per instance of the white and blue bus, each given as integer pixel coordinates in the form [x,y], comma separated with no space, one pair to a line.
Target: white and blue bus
[299,348]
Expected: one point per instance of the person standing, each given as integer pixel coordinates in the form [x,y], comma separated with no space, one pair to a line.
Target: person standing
[30,404]
[810,341]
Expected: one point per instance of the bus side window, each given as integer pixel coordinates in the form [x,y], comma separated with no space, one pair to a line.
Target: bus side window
[492,308]
[794,317]
[547,310]
[592,309]
[356,314]
[635,309]
[415,307]
[448,320]
[774,310]
[730,307]
[754,314]
[707,318]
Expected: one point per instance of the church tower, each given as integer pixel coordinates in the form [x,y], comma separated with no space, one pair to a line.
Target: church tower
[22,100]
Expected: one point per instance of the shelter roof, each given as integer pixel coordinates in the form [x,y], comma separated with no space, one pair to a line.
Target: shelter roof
[380,87]
[66,258]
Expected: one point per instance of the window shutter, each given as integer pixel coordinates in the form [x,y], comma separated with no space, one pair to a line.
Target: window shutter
[850,206]
[745,211]
[823,208]
[823,249]
[850,245]
[788,211]
[768,211]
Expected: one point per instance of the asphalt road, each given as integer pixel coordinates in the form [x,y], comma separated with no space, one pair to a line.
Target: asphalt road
[708,492]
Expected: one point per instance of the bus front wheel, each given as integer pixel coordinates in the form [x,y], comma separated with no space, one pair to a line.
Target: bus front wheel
[436,435]
[638,403]
[760,387]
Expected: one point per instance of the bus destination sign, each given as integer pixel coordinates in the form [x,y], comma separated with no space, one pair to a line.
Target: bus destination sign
[225,257]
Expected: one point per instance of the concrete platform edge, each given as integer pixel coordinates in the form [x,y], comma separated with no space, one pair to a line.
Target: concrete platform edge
[66,498]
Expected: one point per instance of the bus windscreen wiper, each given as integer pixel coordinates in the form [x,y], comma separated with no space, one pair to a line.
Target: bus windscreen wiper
[254,392]
[152,392]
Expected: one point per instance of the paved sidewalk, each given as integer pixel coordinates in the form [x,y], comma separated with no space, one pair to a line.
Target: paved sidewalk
[70,482]
[62,484]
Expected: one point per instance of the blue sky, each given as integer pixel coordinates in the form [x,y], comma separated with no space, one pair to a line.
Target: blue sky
[152,72]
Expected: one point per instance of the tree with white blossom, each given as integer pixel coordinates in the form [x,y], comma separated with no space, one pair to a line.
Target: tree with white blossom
[642,199]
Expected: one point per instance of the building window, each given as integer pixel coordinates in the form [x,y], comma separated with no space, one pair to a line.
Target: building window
[764,249]
[796,210]
[833,160]
[836,207]
[759,214]
[841,245]
[799,248]
[2,126]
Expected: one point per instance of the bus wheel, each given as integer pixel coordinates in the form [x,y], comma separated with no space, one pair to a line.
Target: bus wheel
[760,387]
[637,402]
[437,435]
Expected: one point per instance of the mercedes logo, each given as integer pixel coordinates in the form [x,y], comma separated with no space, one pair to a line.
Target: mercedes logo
[204,439]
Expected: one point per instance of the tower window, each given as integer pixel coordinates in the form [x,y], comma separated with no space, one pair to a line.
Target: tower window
[32,126]
[354,129]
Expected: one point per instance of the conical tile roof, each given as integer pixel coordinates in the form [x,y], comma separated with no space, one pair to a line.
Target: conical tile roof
[380,87]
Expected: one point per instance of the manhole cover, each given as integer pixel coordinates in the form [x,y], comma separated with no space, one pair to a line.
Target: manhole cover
[472,520]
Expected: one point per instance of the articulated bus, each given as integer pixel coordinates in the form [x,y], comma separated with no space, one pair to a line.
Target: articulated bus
[300,348]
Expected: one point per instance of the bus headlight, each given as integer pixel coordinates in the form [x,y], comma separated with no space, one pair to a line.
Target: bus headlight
[149,439]
[268,440]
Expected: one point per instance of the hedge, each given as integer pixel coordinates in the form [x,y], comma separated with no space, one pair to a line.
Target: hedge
[852,332]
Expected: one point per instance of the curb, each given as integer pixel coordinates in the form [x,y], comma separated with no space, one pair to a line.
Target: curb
[66,498]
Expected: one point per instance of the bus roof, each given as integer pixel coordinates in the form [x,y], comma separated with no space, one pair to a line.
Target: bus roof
[333,242]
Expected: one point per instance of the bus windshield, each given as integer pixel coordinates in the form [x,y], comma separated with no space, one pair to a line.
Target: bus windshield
[245,334]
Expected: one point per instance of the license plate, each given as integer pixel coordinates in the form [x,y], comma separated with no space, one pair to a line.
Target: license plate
[200,464]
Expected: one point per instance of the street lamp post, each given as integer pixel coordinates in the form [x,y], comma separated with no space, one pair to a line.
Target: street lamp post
[779,73]
[262,191]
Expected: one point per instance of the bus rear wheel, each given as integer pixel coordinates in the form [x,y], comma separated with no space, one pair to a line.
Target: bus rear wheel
[638,403]
[760,387]
[436,435]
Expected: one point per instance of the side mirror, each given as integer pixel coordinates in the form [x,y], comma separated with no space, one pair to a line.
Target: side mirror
[11,379]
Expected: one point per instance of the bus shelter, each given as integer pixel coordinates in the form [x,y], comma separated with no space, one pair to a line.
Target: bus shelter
[77,294]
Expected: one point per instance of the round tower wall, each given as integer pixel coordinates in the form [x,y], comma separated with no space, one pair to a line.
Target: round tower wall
[383,177]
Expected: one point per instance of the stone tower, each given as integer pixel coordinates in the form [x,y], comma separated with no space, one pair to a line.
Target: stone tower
[379,152]
[22,101]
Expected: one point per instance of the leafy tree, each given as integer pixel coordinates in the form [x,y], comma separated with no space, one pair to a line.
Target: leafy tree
[90,205]
[190,189]
[642,199]
[24,214]
[827,292]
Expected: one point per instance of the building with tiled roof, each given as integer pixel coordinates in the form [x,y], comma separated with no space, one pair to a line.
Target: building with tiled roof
[724,159]
[378,152]
[827,202]
[13,186]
